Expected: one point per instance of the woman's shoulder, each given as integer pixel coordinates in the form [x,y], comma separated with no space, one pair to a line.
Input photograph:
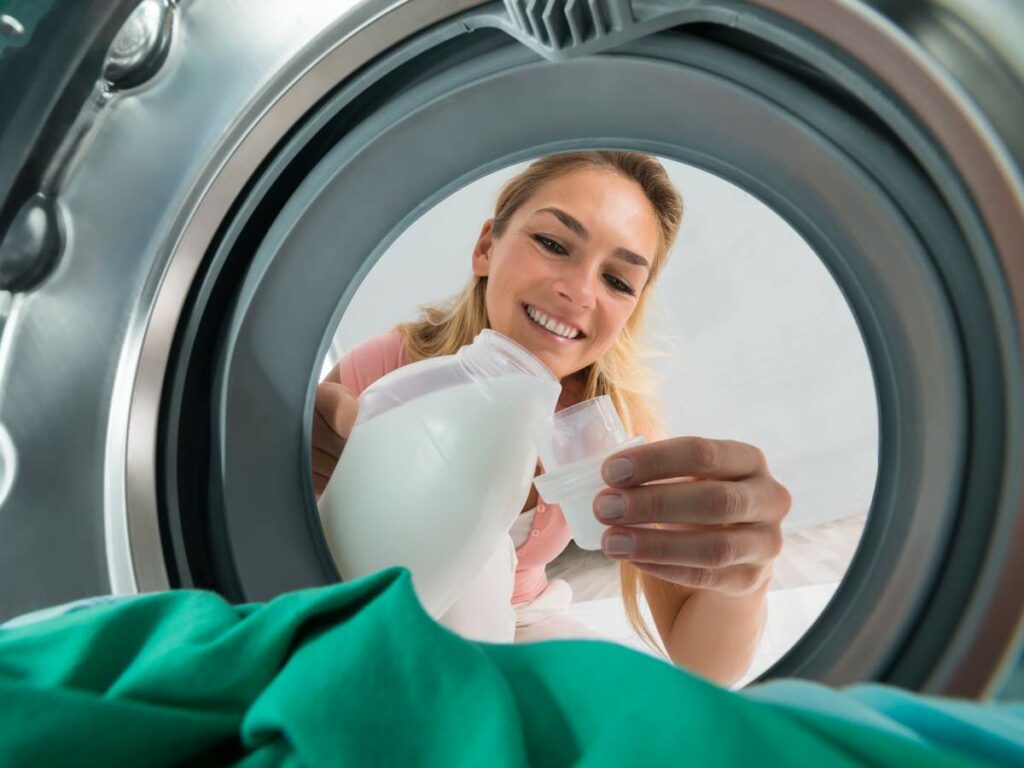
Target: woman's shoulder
[388,348]
[369,360]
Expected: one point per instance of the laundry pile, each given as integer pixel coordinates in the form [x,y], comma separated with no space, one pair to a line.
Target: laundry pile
[357,673]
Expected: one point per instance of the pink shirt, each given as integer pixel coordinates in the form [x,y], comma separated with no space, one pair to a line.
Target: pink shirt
[549,534]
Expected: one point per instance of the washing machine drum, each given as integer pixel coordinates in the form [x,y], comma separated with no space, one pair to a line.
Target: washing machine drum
[191,193]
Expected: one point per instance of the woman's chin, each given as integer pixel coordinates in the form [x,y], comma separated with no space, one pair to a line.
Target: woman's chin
[552,360]
[546,356]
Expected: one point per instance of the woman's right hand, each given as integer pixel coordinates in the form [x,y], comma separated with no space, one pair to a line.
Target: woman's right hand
[334,414]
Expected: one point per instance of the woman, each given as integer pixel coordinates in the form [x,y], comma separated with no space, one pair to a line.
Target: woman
[565,268]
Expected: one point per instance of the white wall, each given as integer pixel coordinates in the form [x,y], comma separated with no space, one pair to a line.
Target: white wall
[763,347]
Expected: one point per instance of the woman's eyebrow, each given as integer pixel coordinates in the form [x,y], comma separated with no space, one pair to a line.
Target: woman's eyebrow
[570,221]
[577,227]
[633,258]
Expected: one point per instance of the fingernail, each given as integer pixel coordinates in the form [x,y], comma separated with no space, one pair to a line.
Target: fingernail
[619,544]
[618,470]
[610,508]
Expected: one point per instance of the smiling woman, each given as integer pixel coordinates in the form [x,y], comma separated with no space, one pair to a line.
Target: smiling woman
[560,269]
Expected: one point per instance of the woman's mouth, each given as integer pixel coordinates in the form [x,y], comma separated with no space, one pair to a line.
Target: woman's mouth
[551,327]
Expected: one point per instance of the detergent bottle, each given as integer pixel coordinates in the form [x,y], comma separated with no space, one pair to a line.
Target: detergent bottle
[438,465]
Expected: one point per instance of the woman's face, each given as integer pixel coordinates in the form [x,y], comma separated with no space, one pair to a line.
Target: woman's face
[566,274]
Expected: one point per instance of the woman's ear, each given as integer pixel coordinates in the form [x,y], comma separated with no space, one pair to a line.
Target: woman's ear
[482,250]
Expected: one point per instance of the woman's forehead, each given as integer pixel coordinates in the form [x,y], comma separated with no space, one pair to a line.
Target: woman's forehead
[602,201]
[590,184]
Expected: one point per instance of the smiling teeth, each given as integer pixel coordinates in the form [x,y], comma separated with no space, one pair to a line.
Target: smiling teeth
[555,327]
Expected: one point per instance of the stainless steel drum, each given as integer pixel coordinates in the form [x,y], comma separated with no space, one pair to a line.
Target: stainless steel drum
[192,190]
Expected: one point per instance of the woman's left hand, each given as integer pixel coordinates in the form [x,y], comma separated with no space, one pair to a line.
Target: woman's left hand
[715,508]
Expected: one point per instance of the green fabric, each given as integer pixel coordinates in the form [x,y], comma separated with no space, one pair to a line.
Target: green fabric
[358,674]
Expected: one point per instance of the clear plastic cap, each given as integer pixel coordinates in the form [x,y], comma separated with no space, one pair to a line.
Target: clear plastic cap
[588,430]
[573,445]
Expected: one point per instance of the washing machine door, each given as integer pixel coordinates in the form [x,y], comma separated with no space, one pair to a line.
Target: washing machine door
[173,171]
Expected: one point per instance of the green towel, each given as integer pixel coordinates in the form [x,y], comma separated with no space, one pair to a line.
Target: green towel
[358,674]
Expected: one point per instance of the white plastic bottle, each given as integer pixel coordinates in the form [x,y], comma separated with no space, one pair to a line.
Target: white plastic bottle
[438,465]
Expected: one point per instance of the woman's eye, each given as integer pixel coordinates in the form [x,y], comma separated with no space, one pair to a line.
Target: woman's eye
[550,245]
[618,285]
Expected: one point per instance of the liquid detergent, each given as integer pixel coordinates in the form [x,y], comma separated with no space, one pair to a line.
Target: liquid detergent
[438,466]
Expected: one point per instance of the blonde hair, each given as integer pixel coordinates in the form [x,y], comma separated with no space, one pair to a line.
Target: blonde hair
[621,374]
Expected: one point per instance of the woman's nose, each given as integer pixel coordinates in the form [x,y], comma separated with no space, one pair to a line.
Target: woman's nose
[577,285]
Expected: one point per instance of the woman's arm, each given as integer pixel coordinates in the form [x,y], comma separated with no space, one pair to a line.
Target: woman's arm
[336,405]
[701,520]
[334,414]
[710,634]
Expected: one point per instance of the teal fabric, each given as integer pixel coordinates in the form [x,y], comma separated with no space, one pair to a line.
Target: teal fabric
[358,674]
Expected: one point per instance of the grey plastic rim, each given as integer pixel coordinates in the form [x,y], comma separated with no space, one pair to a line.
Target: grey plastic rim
[902,305]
